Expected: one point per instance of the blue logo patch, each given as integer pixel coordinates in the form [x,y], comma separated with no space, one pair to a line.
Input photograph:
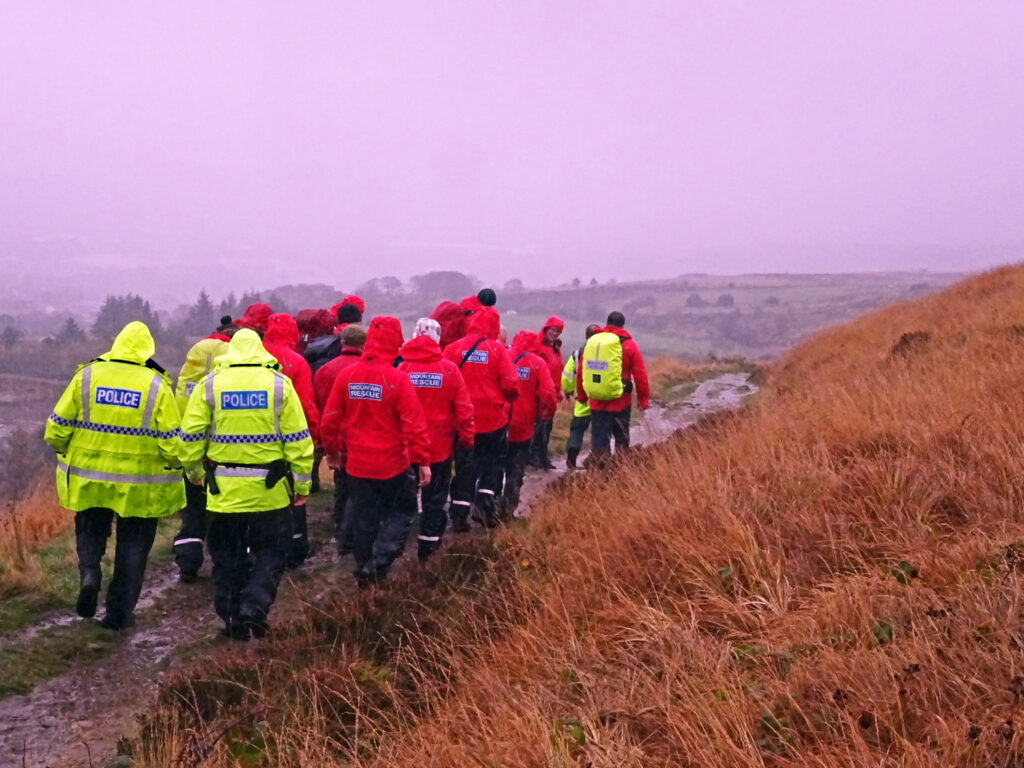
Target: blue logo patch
[242,401]
[524,373]
[429,380]
[478,356]
[126,398]
[365,391]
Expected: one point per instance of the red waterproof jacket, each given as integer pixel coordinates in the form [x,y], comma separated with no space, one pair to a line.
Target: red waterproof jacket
[255,317]
[444,395]
[632,370]
[552,355]
[279,340]
[455,318]
[324,378]
[488,371]
[373,416]
[536,395]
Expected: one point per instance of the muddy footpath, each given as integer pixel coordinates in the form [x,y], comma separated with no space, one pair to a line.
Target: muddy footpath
[78,717]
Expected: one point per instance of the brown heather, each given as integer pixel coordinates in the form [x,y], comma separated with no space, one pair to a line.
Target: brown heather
[832,577]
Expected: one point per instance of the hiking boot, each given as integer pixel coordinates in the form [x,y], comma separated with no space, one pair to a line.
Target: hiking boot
[256,625]
[88,596]
[187,577]
[460,524]
[117,623]
[570,459]
[235,629]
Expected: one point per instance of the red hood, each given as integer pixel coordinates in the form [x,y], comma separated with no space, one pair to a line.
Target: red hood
[471,304]
[352,299]
[255,317]
[422,349]
[219,337]
[553,322]
[313,323]
[620,332]
[383,340]
[486,322]
[525,341]
[282,330]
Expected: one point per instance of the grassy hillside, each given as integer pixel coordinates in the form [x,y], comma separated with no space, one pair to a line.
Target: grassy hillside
[833,577]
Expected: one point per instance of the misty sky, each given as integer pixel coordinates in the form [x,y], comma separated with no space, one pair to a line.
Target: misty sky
[538,138]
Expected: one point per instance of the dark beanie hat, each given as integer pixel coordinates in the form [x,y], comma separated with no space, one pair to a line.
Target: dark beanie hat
[487,297]
[349,313]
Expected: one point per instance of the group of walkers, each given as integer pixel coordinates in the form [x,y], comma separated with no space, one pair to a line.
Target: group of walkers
[452,415]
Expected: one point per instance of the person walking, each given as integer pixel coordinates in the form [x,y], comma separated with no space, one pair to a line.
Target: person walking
[353,339]
[374,426]
[449,412]
[612,369]
[114,430]
[550,351]
[536,402]
[244,425]
[581,408]
[493,384]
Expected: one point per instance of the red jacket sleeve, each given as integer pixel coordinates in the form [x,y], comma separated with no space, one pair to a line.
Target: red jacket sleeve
[463,407]
[414,422]
[303,383]
[638,374]
[332,435]
[546,394]
[508,378]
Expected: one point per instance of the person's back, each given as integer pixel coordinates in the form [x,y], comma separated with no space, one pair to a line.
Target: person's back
[536,398]
[352,340]
[280,339]
[487,369]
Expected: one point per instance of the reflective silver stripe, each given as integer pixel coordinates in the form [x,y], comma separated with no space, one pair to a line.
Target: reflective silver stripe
[296,535]
[187,541]
[304,478]
[278,401]
[464,503]
[154,389]
[211,402]
[86,381]
[240,472]
[116,477]
[209,359]
[484,490]
[429,538]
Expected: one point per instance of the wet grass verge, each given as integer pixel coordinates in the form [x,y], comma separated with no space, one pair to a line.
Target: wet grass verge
[52,652]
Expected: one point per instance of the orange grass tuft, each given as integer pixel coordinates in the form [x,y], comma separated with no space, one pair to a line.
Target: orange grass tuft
[834,577]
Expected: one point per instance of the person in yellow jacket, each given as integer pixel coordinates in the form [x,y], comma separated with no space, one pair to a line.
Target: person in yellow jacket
[581,409]
[244,425]
[188,543]
[115,432]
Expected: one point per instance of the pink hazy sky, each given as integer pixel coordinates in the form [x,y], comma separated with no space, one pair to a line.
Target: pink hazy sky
[539,138]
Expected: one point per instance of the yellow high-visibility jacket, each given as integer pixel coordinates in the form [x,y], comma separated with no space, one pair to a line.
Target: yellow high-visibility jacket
[115,432]
[241,417]
[198,362]
[581,408]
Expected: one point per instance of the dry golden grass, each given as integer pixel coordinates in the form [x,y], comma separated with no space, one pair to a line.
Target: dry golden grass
[834,577]
[25,526]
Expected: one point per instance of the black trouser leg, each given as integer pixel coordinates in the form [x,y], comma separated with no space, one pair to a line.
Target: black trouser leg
[435,519]
[298,538]
[515,470]
[342,523]
[382,513]
[227,543]
[463,488]
[318,455]
[489,453]
[92,529]
[394,528]
[538,455]
[134,541]
[601,432]
[188,544]
[620,428]
[267,538]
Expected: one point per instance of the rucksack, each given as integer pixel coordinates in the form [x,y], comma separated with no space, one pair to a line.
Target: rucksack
[452,319]
[602,367]
[322,350]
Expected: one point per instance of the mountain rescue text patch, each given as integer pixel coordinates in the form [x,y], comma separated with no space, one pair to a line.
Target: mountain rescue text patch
[428,380]
[125,398]
[524,373]
[242,400]
[365,391]
[478,356]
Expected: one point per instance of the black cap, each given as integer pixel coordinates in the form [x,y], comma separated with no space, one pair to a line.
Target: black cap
[487,297]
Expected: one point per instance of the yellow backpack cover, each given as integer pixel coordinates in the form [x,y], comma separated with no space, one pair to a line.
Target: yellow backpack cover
[602,367]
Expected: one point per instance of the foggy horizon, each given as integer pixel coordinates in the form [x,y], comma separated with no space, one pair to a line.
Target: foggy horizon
[332,143]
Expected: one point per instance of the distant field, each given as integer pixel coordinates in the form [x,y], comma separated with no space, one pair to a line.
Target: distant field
[26,401]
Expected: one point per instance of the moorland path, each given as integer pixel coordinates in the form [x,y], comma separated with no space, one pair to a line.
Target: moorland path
[77,717]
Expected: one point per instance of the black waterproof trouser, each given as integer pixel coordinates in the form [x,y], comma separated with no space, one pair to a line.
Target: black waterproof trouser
[134,541]
[608,424]
[432,501]
[249,550]
[538,455]
[342,522]
[298,544]
[515,470]
[577,428]
[188,544]
[478,477]
[382,512]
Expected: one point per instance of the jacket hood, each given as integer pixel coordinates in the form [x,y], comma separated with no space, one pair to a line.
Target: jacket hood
[622,333]
[421,349]
[283,330]
[486,322]
[525,341]
[255,317]
[352,299]
[134,343]
[313,323]
[553,322]
[247,348]
[383,340]
[471,304]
